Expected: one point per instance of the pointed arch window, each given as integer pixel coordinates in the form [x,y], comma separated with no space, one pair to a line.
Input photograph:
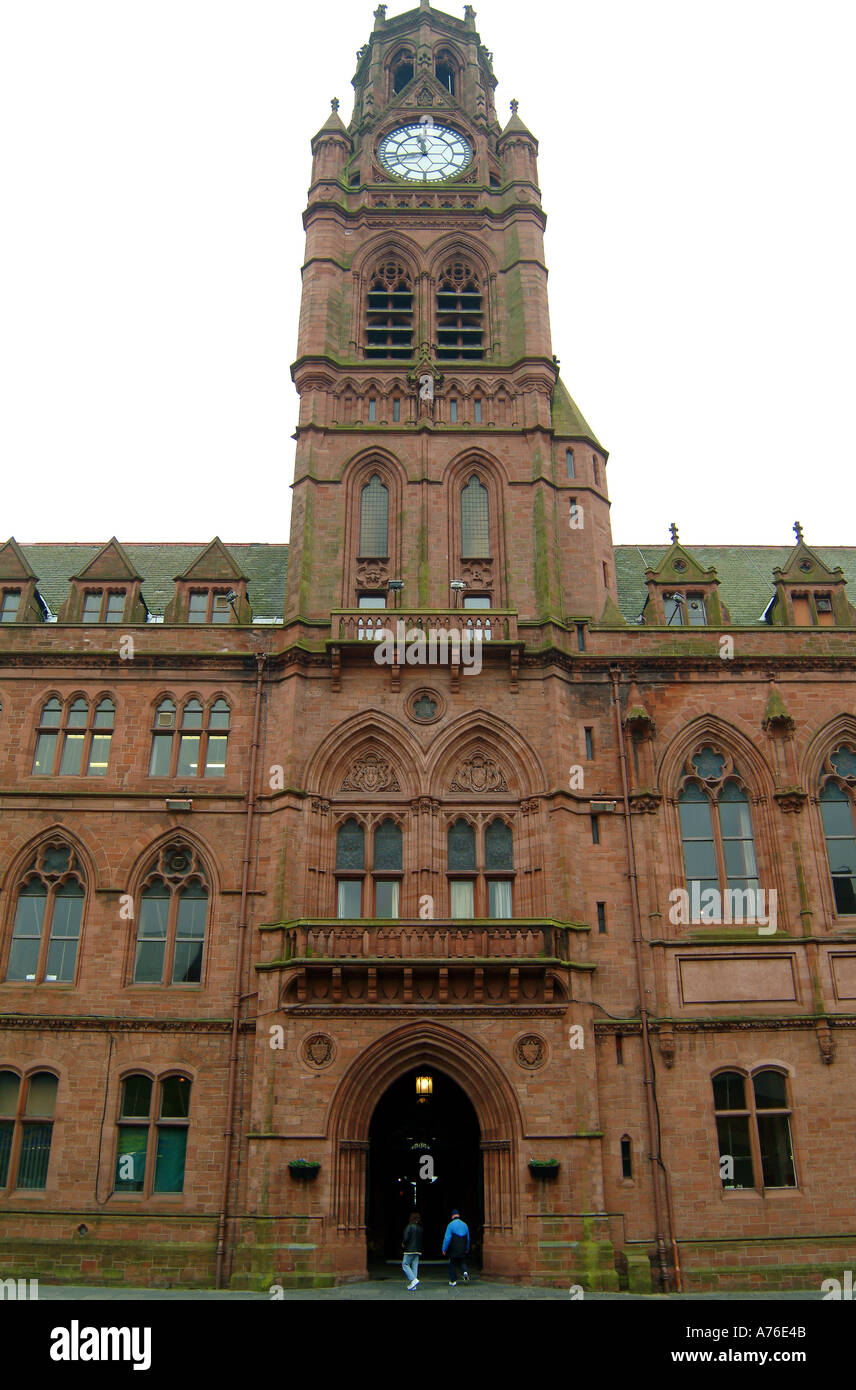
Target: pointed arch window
[446,70]
[475,521]
[716,826]
[838,813]
[48,917]
[389,312]
[382,889]
[26,1129]
[401,70]
[76,743]
[460,313]
[173,913]
[374,519]
[387,868]
[480,870]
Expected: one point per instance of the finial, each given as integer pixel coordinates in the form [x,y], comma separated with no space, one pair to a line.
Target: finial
[673,532]
[380,12]
[335,103]
[514,106]
[798,532]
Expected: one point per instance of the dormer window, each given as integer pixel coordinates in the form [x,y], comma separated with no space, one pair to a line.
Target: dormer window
[103,606]
[685,610]
[813,610]
[9,606]
[209,606]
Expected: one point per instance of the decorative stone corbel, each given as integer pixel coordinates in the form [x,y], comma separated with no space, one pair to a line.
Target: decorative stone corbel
[666,1042]
[825,1042]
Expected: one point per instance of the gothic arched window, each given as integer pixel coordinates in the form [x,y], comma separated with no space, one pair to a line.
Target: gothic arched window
[172,916]
[401,70]
[48,916]
[460,313]
[838,812]
[475,521]
[479,869]
[383,888]
[445,70]
[389,315]
[716,826]
[374,520]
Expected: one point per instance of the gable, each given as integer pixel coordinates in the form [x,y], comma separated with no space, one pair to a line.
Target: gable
[111,562]
[14,563]
[214,562]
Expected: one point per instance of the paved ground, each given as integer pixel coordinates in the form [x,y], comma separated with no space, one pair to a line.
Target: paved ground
[433,1288]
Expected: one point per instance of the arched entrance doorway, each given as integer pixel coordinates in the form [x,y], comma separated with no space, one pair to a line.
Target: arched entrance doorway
[424,1154]
[476,1072]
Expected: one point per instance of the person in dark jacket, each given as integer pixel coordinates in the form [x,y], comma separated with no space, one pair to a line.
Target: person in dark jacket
[411,1248]
[456,1243]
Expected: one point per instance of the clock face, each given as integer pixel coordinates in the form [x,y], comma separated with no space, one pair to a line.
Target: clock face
[424,153]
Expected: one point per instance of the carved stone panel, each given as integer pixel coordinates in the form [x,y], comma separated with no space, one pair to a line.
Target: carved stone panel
[371,773]
[479,774]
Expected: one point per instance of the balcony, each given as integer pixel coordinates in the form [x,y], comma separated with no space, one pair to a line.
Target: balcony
[453,637]
[412,963]
[367,624]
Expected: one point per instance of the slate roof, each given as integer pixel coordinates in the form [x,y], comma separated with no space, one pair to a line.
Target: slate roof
[745,574]
[264,565]
[568,420]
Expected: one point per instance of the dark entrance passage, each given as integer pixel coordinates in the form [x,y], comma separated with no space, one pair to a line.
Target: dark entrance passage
[413,1141]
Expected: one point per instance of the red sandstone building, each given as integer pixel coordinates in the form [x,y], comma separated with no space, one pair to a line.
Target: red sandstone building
[269,903]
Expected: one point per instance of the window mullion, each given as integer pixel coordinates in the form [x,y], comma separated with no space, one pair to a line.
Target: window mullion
[169,944]
[47,923]
[719,850]
[755,1138]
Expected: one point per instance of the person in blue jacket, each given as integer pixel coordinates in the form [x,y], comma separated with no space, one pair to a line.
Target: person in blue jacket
[456,1243]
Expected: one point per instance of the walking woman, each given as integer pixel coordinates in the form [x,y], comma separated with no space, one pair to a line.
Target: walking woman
[411,1247]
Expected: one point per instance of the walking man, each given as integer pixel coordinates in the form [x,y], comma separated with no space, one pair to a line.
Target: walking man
[411,1249]
[456,1243]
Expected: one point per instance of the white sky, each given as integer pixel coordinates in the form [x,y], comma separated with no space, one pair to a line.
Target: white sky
[697,169]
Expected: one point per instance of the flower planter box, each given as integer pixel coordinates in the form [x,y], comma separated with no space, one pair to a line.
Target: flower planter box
[545,1172]
[304,1172]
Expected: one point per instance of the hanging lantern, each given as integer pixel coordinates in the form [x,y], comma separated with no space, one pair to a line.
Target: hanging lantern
[424,1088]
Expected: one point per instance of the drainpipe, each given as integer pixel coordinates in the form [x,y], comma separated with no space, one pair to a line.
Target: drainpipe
[653,1132]
[261,658]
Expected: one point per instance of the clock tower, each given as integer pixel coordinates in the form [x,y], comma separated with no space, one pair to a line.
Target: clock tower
[425,359]
[431,922]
